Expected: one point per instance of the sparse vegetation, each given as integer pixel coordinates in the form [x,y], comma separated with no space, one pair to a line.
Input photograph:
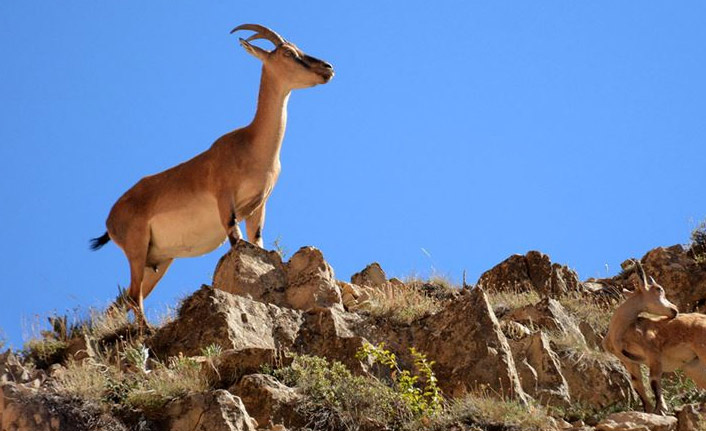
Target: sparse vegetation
[697,246]
[179,377]
[485,410]
[422,396]
[279,247]
[512,299]
[336,399]
[679,390]
[87,379]
[401,304]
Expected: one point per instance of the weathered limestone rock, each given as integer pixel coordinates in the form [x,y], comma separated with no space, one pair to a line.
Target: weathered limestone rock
[329,334]
[311,284]
[218,410]
[533,271]
[596,383]
[212,316]
[371,276]
[269,401]
[249,270]
[539,370]
[547,314]
[514,330]
[637,421]
[469,348]
[692,417]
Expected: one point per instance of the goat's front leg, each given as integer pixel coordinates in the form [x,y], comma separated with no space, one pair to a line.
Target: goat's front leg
[636,380]
[254,224]
[656,385]
[229,219]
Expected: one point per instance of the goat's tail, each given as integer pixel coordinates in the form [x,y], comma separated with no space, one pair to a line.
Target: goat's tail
[99,242]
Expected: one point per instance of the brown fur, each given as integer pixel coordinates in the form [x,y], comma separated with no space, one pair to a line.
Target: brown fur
[193,207]
[672,341]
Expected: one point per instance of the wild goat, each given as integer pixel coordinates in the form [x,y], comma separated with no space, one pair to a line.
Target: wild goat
[664,344]
[190,209]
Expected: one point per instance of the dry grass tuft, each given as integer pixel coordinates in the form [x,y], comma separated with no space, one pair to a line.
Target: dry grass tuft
[512,299]
[401,304]
[151,393]
[486,411]
[87,380]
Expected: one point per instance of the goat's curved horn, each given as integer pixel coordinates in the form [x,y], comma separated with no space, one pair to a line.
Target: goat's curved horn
[261,33]
[641,273]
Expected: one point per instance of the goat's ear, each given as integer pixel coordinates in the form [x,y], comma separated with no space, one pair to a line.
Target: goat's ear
[253,50]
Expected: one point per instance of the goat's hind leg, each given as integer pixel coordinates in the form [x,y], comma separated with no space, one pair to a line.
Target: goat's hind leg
[135,249]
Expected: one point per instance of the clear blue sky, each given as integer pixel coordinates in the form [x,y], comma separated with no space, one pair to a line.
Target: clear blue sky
[472,130]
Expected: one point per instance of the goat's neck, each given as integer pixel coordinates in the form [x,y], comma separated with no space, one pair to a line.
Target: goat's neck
[270,118]
[625,315]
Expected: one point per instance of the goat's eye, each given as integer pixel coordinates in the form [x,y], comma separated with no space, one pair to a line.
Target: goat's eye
[288,53]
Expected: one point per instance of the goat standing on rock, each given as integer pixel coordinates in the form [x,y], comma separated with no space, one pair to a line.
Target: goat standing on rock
[664,344]
[191,209]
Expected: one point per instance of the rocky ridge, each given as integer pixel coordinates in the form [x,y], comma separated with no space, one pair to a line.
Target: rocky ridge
[258,311]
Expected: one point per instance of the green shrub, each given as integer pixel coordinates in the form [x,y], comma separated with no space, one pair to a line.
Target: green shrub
[336,399]
[422,398]
[45,352]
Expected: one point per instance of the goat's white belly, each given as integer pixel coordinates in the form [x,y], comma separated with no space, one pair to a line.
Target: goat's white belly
[191,230]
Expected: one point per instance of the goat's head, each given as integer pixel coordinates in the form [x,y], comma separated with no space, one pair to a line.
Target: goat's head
[651,295]
[286,61]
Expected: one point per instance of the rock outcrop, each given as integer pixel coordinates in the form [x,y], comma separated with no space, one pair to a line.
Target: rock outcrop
[215,317]
[306,282]
[269,401]
[217,410]
[637,421]
[262,310]
[531,272]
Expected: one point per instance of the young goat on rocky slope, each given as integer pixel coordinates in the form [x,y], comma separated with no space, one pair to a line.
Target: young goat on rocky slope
[664,343]
[190,209]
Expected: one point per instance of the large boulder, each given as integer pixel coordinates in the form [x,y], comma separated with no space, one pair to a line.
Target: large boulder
[531,272]
[217,410]
[468,346]
[539,369]
[268,401]
[637,421]
[311,284]
[548,314]
[371,276]
[597,380]
[212,316]
[306,282]
[249,270]
[331,333]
